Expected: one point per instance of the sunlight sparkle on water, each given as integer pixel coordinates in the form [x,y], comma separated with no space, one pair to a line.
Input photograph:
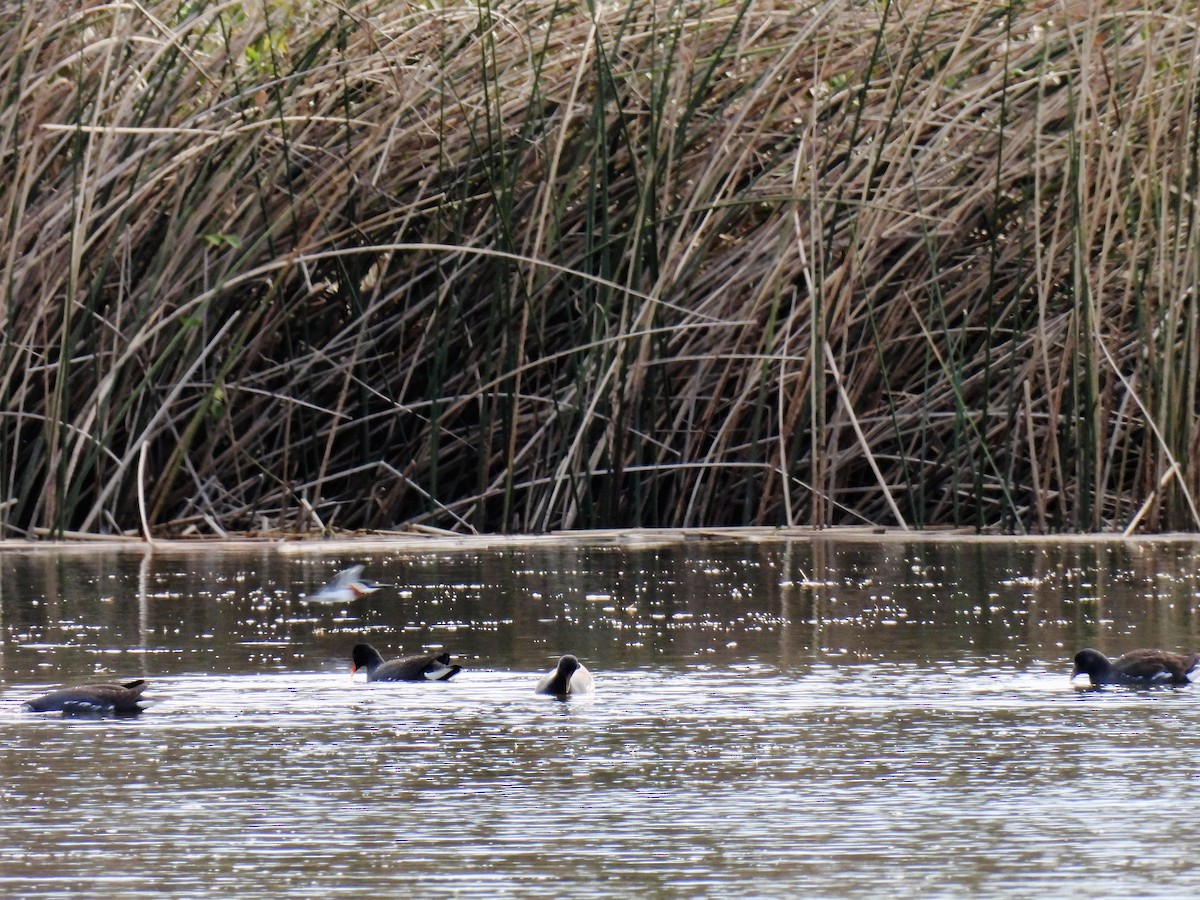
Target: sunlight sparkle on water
[915,693]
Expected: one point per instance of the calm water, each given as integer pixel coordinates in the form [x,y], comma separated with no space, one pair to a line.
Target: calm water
[832,718]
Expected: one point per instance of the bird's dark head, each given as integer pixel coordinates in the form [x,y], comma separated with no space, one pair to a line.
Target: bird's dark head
[364,656]
[1090,662]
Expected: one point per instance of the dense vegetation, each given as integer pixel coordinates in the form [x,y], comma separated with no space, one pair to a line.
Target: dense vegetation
[301,265]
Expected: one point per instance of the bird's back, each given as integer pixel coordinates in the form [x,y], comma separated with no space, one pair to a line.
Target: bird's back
[1158,666]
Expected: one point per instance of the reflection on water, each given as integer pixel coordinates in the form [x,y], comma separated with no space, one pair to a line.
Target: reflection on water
[827,717]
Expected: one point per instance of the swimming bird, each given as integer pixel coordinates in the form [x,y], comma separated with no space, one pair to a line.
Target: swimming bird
[345,586]
[1144,667]
[569,678]
[92,700]
[428,667]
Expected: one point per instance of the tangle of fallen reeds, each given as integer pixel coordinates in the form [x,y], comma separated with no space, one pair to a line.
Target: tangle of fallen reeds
[299,265]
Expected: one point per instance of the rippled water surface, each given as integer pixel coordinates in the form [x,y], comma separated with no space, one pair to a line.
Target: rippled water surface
[828,717]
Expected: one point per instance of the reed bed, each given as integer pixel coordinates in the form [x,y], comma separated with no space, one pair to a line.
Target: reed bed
[299,266]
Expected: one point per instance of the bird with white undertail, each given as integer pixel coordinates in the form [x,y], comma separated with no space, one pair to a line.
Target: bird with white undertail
[92,700]
[421,667]
[570,678]
[1143,668]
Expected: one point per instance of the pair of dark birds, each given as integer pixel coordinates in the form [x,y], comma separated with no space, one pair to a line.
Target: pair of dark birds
[568,678]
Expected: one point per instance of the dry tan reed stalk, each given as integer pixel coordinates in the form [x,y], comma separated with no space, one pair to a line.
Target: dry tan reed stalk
[323,267]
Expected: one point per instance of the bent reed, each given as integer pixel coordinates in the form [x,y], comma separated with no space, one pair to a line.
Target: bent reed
[300,266]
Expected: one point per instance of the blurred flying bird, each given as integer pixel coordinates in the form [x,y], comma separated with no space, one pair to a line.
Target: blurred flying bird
[345,586]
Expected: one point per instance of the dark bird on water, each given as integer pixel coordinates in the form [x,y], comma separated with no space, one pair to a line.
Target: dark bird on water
[429,667]
[569,678]
[1137,667]
[92,700]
